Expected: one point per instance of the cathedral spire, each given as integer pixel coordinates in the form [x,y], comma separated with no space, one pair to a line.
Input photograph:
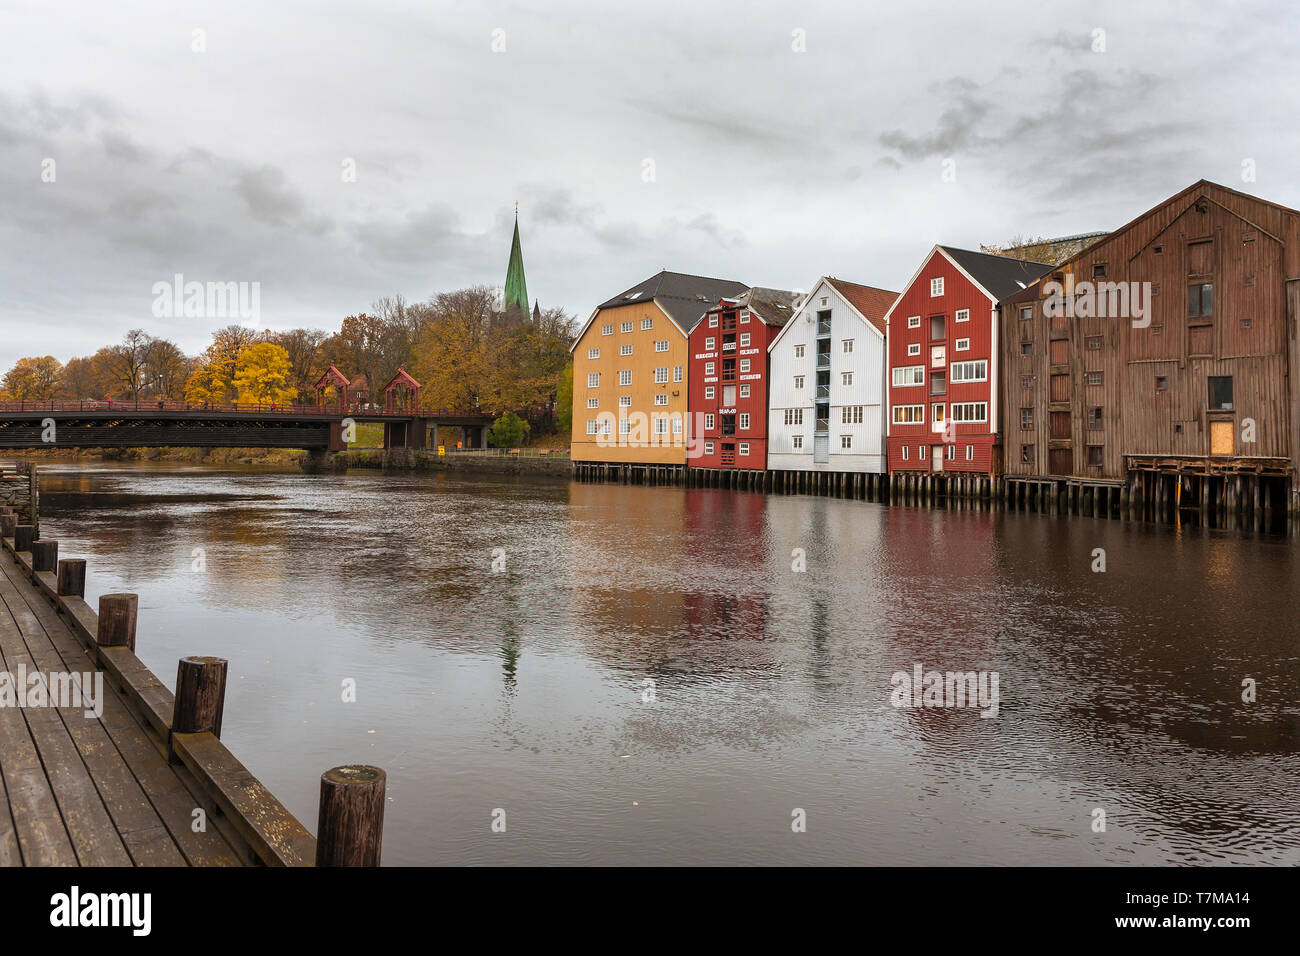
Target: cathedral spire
[516,288]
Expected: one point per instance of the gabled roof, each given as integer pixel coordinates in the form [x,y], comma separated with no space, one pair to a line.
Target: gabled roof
[999,275]
[774,307]
[684,297]
[858,297]
[871,302]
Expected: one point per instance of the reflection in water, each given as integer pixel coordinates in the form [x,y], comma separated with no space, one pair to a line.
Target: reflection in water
[523,689]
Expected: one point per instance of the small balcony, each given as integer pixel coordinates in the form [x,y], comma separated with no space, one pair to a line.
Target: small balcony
[823,328]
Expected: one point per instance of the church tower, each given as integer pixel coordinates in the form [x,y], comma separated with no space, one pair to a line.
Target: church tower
[516,288]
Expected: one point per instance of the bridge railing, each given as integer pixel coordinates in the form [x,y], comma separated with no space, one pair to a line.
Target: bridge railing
[252,408]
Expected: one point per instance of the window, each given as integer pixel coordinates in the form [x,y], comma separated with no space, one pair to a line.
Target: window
[1099,270]
[1094,419]
[1093,343]
[938,383]
[744,339]
[593,403]
[963,345]
[661,425]
[708,368]
[1221,392]
[744,420]
[708,392]
[914,348]
[744,318]
[904,453]
[625,327]
[625,376]
[1094,456]
[593,353]
[963,315]
[1026,381]
[607,330]
[677,373]
[1026,348]
[624,426]
[708,421]
[970,452]
[713,321]
[913,321]
[909,414]
[848,346]
[937,414]
[1026,419]
[647,324]
[794,416]
[1093,378]
[909,375]
[708,448]
[798,351]
[625,401]
[744,449]
[660,399]
[605,426]
[970,412]
[661,345]
[625,350]
[1026,313]
[661,375]
[846,378]
[744,365]
[593,380]
[950,452]
[936,287]
[744,391]
[937,327]
[796,441]
[1162,383]
[591,426]
[1157,330]
[1200,300]
[798,381]
[677,424]
[851,415]
[976,371]
[846,441]
[1026,454]
[710,343]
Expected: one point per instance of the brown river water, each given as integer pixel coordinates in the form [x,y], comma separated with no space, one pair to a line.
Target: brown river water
[648,680]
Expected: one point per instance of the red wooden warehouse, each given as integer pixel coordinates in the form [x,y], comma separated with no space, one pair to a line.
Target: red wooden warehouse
[728,379]
[943,362]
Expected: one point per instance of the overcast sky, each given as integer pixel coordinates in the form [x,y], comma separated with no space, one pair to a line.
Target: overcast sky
[769,143]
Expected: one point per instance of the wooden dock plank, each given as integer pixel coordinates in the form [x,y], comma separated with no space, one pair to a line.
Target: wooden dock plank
[149,805]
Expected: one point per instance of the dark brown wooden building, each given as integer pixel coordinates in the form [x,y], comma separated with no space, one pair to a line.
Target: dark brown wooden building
[1159,361]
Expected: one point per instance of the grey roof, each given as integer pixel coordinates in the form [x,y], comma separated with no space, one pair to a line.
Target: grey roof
[773,307]
[684,297]
[1001,275]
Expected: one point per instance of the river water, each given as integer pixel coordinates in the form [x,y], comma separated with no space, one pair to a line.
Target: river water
[649,680]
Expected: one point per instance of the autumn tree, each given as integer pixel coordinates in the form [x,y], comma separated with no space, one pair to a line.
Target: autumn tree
[88,377]
[306,359]
[126,363]
[450,360]
[262,374]
[33,379]
[212,379]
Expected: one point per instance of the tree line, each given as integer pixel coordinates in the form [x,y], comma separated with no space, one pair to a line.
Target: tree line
[464,350]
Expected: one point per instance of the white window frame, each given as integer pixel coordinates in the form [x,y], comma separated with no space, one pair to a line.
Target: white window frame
[708,368]
[798,351]
[744,365]
[625,401]
[626,326]
[908,412]
[661,375]
[709,392]
[744,339]
[962,345]
[846,379]
[593,403]
[936,287]
[661,399]
[593,380]
[607,329]
[903,372]
[846,441]
[962,315]
[798,382]
[661,345]
[677,373]
[713,321]
[710,343]
[708,421]
[593,353]
[914,349]
[742,421]
[848,346]
[647,324]
[624,377]
[743,448]
[796,442]
[913,321]
[969,413]
[744,391]
[625,349]
[973,370]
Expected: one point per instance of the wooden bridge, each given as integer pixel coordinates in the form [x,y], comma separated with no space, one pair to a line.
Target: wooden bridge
[223,425]
[146,781]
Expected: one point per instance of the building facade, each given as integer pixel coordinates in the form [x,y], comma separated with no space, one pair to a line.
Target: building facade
[629,371]
[826,381]
[1167,348]
[728,377]
[944,409]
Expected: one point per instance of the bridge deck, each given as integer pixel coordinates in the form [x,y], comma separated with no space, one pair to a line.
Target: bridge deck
[76,790]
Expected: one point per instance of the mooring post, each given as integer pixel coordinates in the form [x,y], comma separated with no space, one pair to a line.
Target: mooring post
[24,535]
[117,620]
[8,524]
[45,555]
[200,695]
[72,577]
[350,828]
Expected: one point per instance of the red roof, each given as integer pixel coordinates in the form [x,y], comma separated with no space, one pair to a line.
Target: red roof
[873,303]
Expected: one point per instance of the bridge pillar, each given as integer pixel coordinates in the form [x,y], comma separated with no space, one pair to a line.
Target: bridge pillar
[416,433]
[395,434]
[336,437]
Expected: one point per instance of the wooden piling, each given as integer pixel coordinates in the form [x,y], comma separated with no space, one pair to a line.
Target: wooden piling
[7,525]
[351,823]
[45,555]
[117,613]
[200,696]
[24,535]
[72,577]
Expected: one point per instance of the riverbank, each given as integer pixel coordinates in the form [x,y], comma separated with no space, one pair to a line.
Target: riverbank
[405,459]
[188,456]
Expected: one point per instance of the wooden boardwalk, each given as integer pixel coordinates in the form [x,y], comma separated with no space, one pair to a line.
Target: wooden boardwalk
[135,775]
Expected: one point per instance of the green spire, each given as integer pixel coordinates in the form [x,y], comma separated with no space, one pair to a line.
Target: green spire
[516,287]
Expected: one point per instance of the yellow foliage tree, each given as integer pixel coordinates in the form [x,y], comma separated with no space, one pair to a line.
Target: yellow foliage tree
[263,374]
